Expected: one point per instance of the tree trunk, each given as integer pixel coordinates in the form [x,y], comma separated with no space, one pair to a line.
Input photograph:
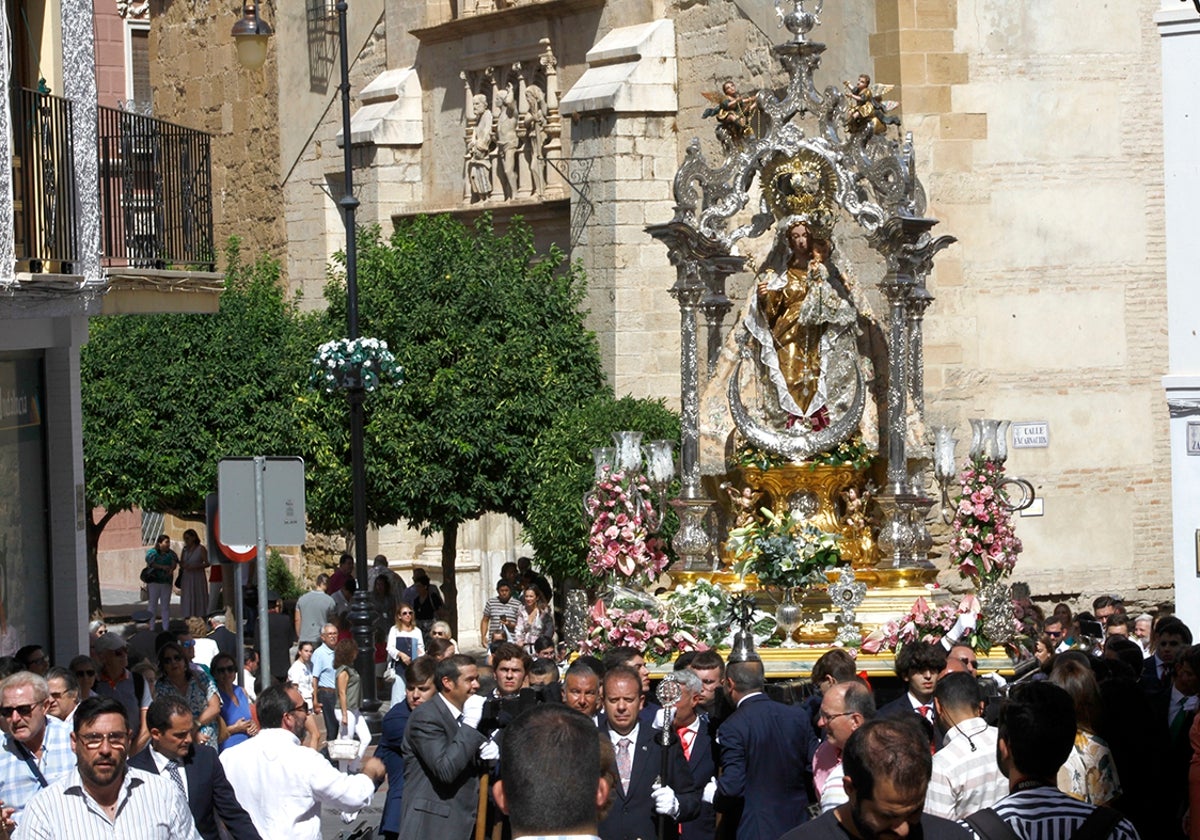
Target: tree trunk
[94,529]
[449,584]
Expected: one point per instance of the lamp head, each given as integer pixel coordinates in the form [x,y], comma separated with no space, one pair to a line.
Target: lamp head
[251,34]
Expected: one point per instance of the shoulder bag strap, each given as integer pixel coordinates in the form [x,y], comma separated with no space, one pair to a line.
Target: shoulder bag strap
[988,825]
[1098,825]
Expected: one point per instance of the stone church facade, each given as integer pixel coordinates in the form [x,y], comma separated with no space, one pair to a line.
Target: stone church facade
[1039,139]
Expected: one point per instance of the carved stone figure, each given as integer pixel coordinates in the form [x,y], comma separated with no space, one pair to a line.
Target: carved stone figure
[506,140]
[479,147]
[536,123]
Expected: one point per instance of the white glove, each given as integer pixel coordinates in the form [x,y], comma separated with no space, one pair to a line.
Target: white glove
[660,718]
[965,622]
[710,791]
[995,677]
[472,711]
[665,801]
[489,750]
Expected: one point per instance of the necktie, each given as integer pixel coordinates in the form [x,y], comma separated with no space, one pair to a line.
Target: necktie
[925,710]
[685,740]
[460,719]
[624,762]
[176,777]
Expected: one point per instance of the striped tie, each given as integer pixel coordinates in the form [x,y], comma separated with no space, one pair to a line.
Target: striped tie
[176,777]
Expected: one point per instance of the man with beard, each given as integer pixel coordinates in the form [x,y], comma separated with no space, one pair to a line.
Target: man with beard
[104,797]
[283,784]
[887,766]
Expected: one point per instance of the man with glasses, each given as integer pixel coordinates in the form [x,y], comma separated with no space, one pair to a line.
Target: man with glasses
[101,796]
[1056,632]
[325,698]
[116,681]
[64,695]
[845,707]
[37,747]
[283,784]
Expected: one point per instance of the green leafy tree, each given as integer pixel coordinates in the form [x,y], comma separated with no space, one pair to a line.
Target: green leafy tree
[564,470]
[492,341]
[165,397]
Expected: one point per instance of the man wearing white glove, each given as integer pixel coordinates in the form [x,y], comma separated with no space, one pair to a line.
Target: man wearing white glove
[443,755]
[646,791]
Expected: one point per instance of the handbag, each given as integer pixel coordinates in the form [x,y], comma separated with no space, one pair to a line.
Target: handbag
[343,748]
[147,575]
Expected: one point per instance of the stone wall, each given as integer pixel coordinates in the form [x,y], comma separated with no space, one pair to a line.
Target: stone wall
[202,86]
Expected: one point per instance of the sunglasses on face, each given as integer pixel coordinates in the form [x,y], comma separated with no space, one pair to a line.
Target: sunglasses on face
[228,669]
[24,710]
[85,673]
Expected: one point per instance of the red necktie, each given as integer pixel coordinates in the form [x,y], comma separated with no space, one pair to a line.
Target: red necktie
[686,736]
[924,710]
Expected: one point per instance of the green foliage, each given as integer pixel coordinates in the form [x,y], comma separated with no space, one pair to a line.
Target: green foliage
[280,578]
[166,396]
[493,345]
[563,471]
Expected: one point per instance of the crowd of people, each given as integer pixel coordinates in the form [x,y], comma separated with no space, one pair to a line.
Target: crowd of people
[152,734]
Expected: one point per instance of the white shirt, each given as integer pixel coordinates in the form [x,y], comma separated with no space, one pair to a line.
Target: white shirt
[282,785]
[301,674]
[160,761]
[149,807]
[205,650]
[965,780]
[248,685]
[834,792]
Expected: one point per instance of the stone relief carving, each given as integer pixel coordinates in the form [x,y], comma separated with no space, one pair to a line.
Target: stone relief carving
[132,9]
[513,131]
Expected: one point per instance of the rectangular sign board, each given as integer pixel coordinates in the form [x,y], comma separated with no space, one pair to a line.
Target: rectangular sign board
[1031,435]
[283,500]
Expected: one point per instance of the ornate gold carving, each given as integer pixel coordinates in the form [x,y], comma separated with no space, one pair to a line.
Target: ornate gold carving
[803,185]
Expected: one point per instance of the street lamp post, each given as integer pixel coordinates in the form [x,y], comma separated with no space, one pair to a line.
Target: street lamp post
[361,619]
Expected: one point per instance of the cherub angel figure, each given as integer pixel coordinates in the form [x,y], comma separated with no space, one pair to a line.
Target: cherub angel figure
[733,113]
[868,108]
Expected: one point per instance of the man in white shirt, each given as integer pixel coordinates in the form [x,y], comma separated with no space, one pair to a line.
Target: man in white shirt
[283,784]
[104,798]
[966,777]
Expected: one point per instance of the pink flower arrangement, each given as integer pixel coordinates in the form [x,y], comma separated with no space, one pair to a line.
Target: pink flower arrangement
[982,540]
[923,623]
[623,517]
[639,629]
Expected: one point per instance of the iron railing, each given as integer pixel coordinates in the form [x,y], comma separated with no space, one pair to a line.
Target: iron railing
[44,205]
[155,193]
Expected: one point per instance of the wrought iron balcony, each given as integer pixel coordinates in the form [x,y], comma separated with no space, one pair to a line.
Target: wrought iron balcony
[44,206]
[155,193]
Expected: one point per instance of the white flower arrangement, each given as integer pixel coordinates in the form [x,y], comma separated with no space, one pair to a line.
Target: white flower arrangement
[345,363]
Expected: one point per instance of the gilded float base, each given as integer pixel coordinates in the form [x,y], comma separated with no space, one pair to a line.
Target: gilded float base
[890,595]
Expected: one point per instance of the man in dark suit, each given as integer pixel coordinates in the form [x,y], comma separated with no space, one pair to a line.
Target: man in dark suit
[918,665]
[1170,637]
[226,640]
[699,748]
[282,633]
[173,754]
[764,758]
[651,785]
[444,756]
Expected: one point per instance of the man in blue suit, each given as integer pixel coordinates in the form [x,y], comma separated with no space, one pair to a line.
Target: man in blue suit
[418,688]
[650,786]
[764,758]
[172,754]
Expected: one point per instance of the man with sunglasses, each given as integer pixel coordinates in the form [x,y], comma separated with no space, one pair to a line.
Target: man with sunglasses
[283,784]
[37,747]
[101,796]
